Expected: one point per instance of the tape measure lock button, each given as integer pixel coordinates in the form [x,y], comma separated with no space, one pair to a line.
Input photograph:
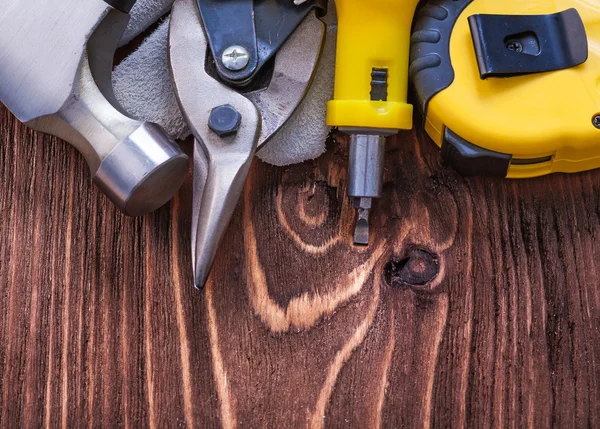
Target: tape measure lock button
[471,160]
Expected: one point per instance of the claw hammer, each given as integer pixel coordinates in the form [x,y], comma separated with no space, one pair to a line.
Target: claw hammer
[370,96]
[55,76]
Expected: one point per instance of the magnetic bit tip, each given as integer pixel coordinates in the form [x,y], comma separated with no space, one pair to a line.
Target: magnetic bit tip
[361,231]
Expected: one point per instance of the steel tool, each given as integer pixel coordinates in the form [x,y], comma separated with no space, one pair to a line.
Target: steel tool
[371,85]
[240,70]
[510,88]
[55,76]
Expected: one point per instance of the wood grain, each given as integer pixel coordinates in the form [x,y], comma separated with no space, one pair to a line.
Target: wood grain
[478,304]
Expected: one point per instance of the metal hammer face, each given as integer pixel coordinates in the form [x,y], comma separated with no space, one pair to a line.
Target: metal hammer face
[55,76]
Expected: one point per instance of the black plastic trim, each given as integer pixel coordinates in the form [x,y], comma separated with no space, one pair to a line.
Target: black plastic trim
[531,161]
[471,160]
[122,5]
[379,84]
[430,64]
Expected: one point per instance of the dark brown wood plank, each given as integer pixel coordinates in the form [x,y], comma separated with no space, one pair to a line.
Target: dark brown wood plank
[477,305]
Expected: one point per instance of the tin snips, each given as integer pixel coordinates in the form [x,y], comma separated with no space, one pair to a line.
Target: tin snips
[240,70]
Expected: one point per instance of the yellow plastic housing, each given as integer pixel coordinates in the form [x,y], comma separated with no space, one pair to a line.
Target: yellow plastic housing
[529,117]
[372,34]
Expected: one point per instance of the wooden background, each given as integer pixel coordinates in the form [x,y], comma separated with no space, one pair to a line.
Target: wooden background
[478,304]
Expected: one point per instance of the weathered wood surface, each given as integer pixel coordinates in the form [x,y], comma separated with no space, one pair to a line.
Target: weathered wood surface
[478,304]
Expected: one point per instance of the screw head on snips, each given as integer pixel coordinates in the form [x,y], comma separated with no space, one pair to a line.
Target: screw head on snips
[235,58]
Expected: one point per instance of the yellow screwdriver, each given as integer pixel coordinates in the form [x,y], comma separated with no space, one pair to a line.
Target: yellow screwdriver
[371,86]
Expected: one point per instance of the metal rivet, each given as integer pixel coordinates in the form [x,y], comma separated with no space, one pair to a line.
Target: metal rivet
[224,120]
[235,58]
[596,121]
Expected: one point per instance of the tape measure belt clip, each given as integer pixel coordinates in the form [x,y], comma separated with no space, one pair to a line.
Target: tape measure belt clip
[516,45]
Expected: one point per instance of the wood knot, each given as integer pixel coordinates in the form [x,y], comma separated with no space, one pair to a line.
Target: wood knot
[417,268]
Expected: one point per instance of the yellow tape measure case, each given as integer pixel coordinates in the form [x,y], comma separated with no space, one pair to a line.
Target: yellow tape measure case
[510,88]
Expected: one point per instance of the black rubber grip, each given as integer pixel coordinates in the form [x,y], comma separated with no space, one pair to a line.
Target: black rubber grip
[122,5]
[430,64]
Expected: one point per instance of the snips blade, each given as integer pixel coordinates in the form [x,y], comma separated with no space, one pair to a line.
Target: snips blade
[221,164]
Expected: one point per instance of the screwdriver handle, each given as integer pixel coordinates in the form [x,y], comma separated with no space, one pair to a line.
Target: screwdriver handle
[373,36]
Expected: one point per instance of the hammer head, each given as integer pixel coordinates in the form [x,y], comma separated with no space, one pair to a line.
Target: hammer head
[43,43]
[55,75]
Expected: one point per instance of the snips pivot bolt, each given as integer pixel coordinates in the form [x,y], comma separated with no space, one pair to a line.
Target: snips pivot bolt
[235,58]
[224,120]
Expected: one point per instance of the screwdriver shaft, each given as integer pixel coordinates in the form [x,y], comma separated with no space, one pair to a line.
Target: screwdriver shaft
[365,179]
